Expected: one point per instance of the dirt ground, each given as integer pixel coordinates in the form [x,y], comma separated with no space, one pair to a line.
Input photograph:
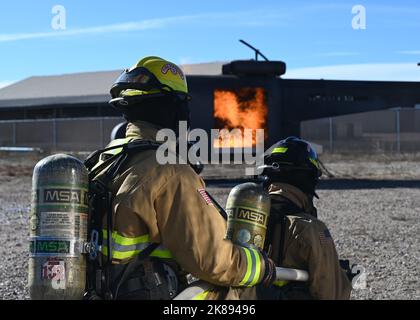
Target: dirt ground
[371,206]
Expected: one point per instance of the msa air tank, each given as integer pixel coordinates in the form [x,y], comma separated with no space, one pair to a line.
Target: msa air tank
[58,229]
[248,208]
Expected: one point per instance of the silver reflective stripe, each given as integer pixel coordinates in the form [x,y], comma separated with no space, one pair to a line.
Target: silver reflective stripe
[122,248]
[130,251]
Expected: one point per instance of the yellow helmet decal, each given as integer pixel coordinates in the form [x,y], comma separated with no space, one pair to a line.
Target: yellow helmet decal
[174,69]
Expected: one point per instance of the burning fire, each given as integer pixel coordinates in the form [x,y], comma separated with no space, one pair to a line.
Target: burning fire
[240,109]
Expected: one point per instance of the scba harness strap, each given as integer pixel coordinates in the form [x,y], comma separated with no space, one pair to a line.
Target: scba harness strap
[100,200]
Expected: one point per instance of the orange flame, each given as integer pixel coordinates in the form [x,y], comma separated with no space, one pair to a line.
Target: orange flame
[241,109]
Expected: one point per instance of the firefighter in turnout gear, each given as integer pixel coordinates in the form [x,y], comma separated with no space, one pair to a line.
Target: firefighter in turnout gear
[296,238]
[161,226]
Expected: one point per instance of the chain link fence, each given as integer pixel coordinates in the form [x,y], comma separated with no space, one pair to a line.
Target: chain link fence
[388,131]
[67,134]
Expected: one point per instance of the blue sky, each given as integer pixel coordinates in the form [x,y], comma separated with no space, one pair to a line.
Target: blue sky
[315,38]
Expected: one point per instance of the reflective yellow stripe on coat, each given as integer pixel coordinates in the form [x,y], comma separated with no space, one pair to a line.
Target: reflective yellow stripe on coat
[127,248]
[203,295]
[252,274]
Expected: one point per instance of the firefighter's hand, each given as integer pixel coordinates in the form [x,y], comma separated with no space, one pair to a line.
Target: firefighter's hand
[270,271]
[345,265]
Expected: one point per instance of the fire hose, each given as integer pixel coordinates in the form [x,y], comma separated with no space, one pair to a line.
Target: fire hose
[282,274]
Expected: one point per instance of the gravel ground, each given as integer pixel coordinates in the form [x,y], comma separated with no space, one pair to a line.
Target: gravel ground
[375,222]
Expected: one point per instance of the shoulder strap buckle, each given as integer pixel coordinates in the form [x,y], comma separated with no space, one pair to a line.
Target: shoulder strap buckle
[92,246]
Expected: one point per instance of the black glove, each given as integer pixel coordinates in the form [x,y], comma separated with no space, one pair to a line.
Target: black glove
[270,271]
[345,265]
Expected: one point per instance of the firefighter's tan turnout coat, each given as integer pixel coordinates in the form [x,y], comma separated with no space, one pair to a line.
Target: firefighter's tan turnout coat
[167,204]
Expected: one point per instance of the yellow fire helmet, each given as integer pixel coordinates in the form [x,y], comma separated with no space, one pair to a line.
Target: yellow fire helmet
[151,76]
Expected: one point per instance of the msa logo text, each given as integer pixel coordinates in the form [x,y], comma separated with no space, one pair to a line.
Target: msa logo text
[63,196]
[50,246]
[246,214]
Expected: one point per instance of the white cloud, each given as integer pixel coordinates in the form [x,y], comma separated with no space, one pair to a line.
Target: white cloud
[373,71]
[130,26]
[245,18]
